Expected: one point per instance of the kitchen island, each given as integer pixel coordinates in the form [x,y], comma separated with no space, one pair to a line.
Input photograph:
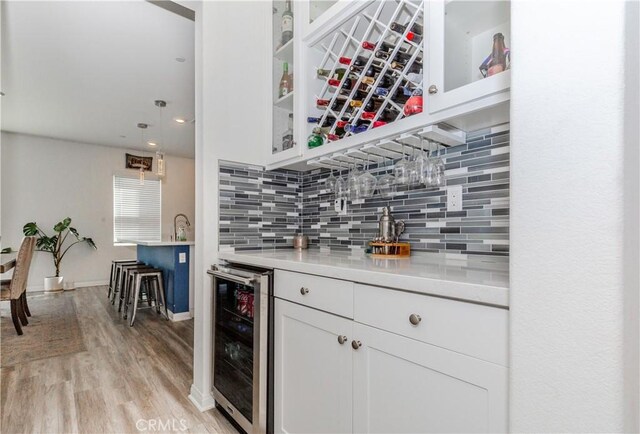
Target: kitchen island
[174,258]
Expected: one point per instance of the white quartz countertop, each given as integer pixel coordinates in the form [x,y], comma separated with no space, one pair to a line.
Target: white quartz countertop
[481,279]
[160,243]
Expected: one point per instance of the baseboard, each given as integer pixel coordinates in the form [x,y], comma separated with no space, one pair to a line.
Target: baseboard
[201,401]
[180,316]
[86,284]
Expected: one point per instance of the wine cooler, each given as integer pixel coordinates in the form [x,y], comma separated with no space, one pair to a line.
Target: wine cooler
[241,337]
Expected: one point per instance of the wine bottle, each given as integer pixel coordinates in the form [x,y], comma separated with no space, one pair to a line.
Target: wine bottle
[415,66]
[328,121]
[285,83]
[370,106]
[377,124]
[399,28]
[315,139]
[387,115]
[287,137]
[346,85]
[400,57]
[499,58]
[286,23]
[338,73]
[358,61]
[381,46]
[333,137]
[340,128]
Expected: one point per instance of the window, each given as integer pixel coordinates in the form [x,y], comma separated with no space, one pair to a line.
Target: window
[136,209]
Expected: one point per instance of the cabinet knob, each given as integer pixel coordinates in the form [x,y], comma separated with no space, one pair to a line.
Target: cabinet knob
[414,319]
[433,89]
[356,344]
[304,290]
[342,339]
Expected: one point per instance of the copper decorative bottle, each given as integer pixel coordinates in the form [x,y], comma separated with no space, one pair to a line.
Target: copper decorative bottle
[499,58]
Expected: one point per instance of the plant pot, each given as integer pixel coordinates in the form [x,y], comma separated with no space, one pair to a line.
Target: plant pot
[53,284]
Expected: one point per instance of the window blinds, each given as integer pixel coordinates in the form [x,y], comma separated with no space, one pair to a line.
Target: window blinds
[136,209]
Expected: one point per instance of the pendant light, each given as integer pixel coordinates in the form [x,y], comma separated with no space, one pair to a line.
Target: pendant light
[160,155]
[142,127]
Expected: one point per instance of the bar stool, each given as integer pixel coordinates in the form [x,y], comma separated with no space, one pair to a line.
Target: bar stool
[124,281]
[151,281]
[129,275]
[119,278]
[115,272]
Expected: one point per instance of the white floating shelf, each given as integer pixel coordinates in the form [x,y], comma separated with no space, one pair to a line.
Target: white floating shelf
[285,53]
[286,102]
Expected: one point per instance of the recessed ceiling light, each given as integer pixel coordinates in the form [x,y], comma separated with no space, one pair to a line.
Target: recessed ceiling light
[152,144]
[180,59]
[180,120]
[1,93]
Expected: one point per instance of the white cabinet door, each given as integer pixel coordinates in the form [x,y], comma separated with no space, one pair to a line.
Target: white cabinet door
[405,386]
[313,371]
[460,38]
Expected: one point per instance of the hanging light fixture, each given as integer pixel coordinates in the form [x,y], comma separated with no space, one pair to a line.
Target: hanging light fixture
[142,127]
[160,155]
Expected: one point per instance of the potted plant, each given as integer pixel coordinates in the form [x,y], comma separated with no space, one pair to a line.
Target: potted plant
[55,246]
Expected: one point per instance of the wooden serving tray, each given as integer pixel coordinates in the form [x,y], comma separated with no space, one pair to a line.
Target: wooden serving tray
[395,250]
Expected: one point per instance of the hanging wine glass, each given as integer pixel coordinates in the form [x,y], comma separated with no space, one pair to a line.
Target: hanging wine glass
[387,184]
[438,169]
[341,187]
[352,183]
[367,182]
[428,172]
[330,182]
[421,163]
[414,174]
[401,169]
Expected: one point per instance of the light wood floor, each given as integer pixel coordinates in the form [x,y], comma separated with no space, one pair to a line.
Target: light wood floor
[125,375]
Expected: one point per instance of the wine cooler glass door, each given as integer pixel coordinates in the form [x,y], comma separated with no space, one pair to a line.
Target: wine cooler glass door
[234,304]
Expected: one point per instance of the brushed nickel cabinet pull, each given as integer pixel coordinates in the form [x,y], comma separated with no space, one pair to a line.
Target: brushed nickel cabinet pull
[304,290]
[356,344]
[414,319]
[342,339]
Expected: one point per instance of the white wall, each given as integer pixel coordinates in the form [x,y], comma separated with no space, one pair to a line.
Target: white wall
[235,88]
[569,345]
[45,180]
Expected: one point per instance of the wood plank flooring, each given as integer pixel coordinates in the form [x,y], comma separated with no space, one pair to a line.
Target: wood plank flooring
[125,375]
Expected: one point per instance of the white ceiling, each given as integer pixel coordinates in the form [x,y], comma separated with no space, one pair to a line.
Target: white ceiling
[90,71]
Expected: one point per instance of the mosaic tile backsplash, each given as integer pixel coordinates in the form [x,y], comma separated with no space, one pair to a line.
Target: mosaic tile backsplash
[264,209]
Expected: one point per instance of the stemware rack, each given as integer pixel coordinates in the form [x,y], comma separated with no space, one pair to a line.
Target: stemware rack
[392,148]
[372,24]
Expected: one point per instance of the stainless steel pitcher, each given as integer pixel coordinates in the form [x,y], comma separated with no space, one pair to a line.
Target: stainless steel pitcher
[389,230]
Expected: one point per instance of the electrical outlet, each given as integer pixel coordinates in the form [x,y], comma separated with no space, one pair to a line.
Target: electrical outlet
[340,206]
[182,257]
[454,198]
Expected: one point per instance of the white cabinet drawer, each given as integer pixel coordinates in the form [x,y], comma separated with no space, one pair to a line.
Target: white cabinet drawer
[472,329]
[331,295]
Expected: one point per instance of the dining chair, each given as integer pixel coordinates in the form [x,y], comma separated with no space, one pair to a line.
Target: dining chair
[15,288]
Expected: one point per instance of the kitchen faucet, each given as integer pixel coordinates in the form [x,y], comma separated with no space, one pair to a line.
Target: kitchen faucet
[175,225]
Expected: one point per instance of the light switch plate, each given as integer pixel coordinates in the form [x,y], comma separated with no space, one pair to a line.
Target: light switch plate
[182,257]
[454,198]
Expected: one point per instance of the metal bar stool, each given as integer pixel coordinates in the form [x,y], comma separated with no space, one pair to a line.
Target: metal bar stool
[129,275]
[115,272]
[122,281]
[154,285]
